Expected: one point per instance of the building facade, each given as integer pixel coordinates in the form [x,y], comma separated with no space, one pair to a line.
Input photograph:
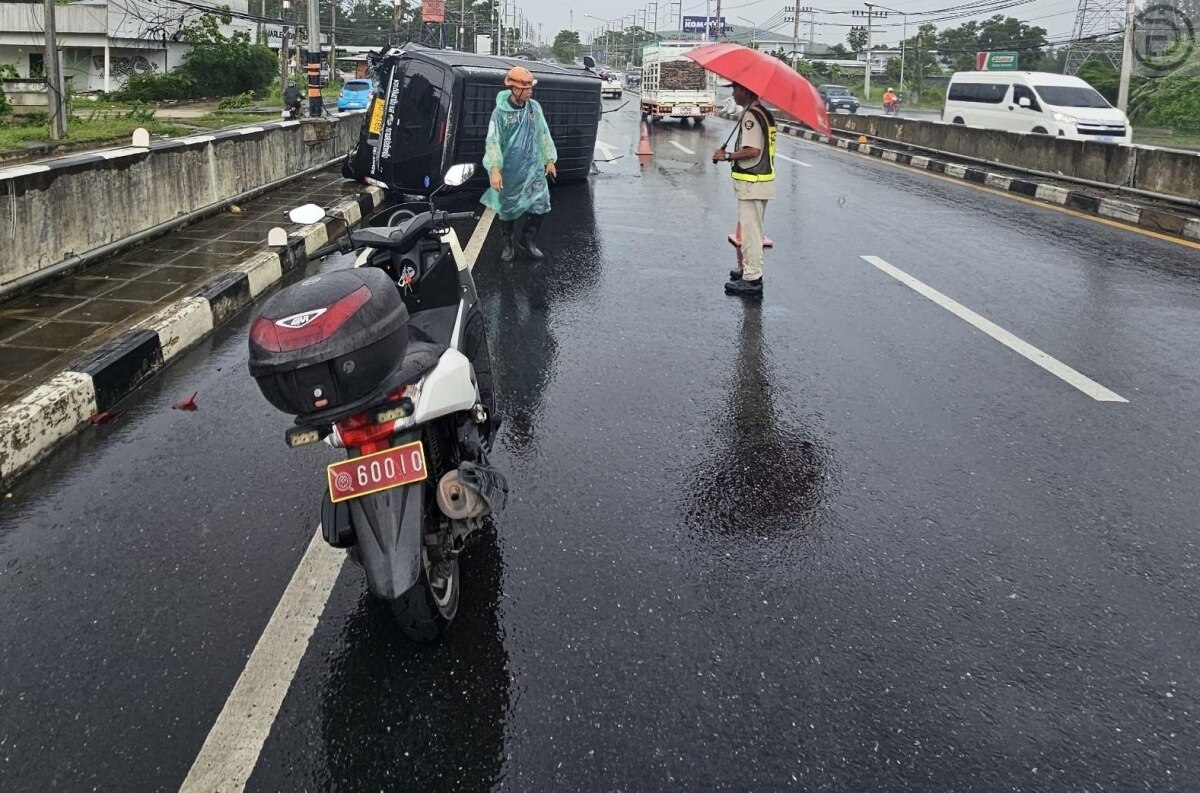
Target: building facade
[103,42]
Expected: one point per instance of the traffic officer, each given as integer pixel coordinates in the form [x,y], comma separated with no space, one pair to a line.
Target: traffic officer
[753,173]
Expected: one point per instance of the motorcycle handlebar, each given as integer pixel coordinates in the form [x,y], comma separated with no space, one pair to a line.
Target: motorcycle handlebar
[452,216]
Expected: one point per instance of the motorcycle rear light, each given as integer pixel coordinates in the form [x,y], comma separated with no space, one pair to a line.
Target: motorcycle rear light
[401,404]
[303,330]
[372,431]
[301,436]
[359,432]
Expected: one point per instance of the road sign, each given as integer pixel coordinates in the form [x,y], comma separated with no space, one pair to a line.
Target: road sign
[996,61]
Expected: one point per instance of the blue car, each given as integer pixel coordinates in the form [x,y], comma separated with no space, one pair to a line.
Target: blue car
[356,95]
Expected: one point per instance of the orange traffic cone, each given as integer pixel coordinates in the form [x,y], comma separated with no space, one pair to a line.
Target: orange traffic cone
[643,149]
[735,239]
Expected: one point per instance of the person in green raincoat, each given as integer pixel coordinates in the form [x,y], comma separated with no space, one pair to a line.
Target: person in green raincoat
[519,156]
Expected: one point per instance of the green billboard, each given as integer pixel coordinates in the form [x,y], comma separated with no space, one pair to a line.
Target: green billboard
[996,61]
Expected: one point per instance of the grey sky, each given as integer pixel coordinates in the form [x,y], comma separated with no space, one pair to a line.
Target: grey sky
[1057,16]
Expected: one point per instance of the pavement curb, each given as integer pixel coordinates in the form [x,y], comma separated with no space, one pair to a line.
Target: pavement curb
[1149,218]
[33,425]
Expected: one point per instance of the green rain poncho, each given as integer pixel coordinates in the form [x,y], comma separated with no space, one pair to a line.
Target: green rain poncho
[519,144]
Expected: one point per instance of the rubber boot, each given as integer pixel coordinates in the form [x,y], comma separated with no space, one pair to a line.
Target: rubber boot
[529,237]
[507,254]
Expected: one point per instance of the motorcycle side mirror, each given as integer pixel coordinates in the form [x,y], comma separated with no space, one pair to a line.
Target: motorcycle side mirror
[459,174]
[307,214]
[589,62]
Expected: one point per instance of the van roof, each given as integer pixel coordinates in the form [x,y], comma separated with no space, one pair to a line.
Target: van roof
[1043,78]
[473,60]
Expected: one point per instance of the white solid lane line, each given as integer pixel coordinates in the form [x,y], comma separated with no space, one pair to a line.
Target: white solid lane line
[1047,362]
[789,159]
[233,745]
[682,148]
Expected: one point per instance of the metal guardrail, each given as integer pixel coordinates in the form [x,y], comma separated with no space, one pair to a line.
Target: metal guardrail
[1116,188]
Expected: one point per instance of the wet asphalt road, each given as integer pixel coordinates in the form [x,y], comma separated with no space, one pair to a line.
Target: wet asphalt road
[838,540]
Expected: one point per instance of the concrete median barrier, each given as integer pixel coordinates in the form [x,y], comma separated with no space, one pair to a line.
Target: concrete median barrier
[58,215]
[1171,173]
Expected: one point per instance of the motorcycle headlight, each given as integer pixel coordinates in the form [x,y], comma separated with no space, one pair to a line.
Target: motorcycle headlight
[1063,118]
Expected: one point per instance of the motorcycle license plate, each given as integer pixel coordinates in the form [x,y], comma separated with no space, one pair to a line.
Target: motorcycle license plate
[372,473]
[376,125]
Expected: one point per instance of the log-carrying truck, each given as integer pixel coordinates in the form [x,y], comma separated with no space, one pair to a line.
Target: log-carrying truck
[674,86]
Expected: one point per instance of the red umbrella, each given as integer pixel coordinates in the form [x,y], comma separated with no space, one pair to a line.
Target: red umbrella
[774,81]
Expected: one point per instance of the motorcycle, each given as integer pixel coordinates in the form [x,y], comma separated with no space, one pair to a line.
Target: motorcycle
[389,361]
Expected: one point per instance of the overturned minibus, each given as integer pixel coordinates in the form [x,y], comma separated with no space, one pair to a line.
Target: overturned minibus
[432,109]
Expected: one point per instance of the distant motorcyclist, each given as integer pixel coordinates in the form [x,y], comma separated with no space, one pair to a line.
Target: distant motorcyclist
[292,99]
[890,100]
[519,155]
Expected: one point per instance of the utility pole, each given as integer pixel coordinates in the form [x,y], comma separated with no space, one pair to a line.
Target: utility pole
[397,15]
[1126,58]
[332,38]
[720,27]
[867,69]
[920,66]
[870,14]
[283,48]
[54,82]
[795,33]
[316,104]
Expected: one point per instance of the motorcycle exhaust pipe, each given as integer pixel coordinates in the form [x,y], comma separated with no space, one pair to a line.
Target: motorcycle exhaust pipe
[458,501]
[471,492]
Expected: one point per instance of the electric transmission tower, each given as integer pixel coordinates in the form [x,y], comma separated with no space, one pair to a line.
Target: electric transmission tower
[1093,20]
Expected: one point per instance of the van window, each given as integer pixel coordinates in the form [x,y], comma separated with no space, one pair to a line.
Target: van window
[417,109]
[978,92]
[1024,92]
[1071,96]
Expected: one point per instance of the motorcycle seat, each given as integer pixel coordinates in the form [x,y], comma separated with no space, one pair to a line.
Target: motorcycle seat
[433,325]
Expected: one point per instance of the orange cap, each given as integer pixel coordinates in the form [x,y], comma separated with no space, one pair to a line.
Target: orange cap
[519,77]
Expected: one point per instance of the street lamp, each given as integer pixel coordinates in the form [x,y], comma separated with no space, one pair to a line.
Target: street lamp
[607,33]
[753,31]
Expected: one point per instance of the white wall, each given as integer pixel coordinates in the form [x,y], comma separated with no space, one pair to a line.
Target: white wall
[148,19]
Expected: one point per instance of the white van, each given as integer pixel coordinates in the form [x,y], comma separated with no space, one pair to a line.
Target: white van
[1037,102]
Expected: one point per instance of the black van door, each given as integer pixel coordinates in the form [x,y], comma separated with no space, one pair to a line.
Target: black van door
[409,151]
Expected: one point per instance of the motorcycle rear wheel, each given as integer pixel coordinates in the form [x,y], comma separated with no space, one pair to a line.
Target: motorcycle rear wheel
[426,610]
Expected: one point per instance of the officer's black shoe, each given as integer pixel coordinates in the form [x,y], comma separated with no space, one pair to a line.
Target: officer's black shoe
[744,288]
[735,275]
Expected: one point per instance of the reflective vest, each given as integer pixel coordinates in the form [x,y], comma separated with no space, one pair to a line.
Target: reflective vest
[764,171]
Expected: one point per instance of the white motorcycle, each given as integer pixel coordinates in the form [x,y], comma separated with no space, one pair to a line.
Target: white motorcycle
[389,360]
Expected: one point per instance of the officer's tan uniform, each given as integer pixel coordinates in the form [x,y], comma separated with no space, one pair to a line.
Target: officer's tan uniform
[754,185]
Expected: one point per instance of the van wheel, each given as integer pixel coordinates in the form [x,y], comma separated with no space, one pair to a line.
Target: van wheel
[959,120]
[1040,131]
